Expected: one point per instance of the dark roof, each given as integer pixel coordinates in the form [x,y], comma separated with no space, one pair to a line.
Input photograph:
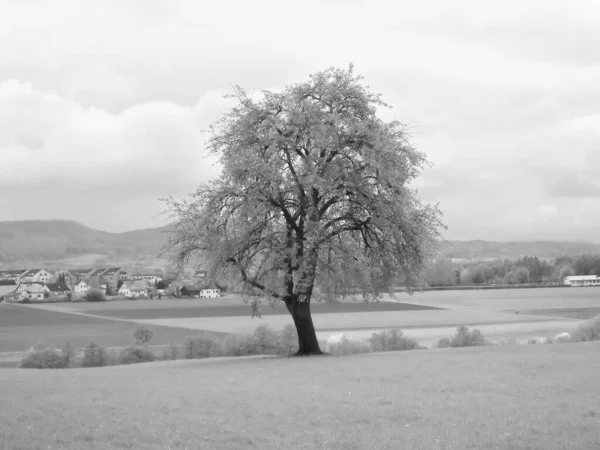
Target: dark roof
[97,272]
[57,287]
[80,272]
[8,283]
[31,272]
[12,272]
[112,270]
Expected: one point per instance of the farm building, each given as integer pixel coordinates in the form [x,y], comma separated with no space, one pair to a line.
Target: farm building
[582,280]
[83,286]
[34,292]
[208,293]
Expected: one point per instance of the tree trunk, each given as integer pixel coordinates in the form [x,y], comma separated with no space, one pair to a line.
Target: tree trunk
[307,337]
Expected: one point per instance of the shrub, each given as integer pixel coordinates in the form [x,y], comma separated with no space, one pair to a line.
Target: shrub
[392,340]
[172,352]
[288,340]
[94,295]
[201,347]
[94,356]
[349,347]
[264,340]
[68,354]
[238,345]
[41,356]
[463,338]
[135,355]
[143,334]
[587,331]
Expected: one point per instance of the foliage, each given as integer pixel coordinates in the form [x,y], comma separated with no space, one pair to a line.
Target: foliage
[143,334]
[95,356]
[314,192]
[441,273]
[392,340]
[348,346]
[587,331]
[238,345]
[94,295]
[288,341]
[135,355]
[68,353]
[41,356]
[197,347]
[463,338]
[264,340]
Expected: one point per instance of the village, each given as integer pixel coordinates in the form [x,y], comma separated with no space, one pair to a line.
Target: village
[30,285]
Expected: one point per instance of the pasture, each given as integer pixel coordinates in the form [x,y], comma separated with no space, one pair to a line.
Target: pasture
[525,397]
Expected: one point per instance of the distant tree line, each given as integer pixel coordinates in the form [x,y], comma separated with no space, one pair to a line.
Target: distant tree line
[526,270]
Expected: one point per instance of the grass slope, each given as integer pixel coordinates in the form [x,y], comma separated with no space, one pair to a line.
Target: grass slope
[525,397]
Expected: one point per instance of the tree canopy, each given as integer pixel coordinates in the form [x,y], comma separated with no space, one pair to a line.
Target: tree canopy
[313,199]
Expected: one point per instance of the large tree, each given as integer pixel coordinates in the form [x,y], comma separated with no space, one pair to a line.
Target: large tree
[312,201]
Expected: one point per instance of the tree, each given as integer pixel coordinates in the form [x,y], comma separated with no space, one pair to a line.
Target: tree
[143,334]
[313,200]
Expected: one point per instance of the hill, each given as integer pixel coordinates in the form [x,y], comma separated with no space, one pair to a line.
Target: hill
[70,243]
[51,240]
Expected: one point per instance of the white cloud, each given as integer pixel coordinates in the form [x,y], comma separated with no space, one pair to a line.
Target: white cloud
[104,103]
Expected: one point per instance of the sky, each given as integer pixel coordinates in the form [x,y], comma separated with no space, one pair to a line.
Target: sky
[103,104]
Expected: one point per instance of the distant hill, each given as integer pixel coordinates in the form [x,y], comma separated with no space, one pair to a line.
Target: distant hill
[74,244]
[43,240]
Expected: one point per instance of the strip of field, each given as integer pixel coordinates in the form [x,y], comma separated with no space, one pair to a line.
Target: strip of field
[350,321]
[571,313]
[23,326]
[506,299]
[524,397]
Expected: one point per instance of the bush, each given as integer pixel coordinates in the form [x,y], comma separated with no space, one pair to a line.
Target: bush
[68,353]
[95,356]
[143,334]
[41,356]
[463,338]
[201,347]
[288,340]
[135,355]
[94,295]
[265,341]
[240,345]
[392,340]
[587,331]
[349,347]
[172,352]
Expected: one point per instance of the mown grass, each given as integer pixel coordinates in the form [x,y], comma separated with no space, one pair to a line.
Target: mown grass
[524,397]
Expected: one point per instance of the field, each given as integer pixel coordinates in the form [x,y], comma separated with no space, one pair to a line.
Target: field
[514,315]
[505,397]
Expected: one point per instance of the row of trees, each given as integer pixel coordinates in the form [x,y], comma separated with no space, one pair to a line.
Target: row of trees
[529,269]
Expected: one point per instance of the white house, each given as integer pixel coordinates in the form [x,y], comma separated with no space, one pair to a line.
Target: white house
[83,286]
[135,289]
[582,280]
[151,278]
[207,293]
[34,292]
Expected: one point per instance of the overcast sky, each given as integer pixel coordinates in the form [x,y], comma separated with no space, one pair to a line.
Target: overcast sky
[102,103]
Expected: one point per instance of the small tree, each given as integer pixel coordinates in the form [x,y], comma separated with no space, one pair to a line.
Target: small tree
[94,295]
[143,334]
[94,356]
[313,200]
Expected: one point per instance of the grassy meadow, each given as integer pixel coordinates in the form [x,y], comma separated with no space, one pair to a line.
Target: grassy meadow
[524,397]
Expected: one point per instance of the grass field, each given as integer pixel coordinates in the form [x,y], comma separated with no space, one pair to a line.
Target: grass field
[525,397]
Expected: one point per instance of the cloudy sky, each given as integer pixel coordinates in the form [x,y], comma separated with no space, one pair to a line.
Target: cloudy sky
[102,103]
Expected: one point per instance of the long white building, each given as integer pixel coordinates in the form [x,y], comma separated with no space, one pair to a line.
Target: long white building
[582,280]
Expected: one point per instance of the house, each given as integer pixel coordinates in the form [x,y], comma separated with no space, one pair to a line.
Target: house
[135,288]
[23,286]
[57,289]
[83,286]
[112,276]
[582,280]
[210,292]
[191,290]
[34,292]
[147,277]
[80,274]
[12,275]
[35,275]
